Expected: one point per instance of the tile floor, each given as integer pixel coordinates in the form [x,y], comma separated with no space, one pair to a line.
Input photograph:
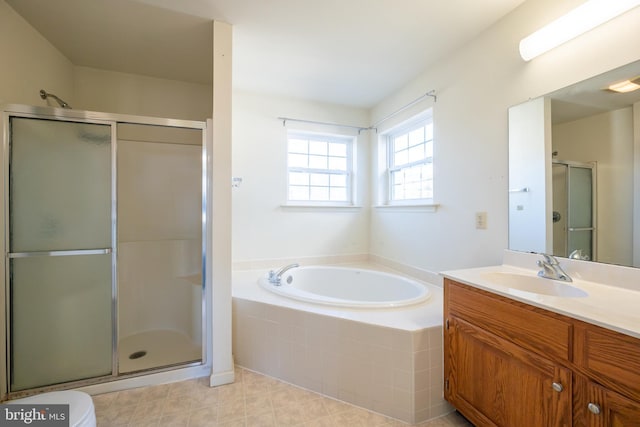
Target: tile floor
[253,400]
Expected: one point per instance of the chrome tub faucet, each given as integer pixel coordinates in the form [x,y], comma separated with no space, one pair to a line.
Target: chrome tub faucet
[551,269]
[276,276]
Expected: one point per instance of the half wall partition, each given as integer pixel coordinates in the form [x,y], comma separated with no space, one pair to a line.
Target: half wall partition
[105,225]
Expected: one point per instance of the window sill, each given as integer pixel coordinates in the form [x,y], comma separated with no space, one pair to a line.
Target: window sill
[424,207]
[303,206]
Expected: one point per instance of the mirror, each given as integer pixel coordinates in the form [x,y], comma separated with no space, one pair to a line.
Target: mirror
[574,160]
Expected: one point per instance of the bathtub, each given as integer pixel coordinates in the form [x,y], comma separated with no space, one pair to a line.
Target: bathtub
[347,287]
[387,359]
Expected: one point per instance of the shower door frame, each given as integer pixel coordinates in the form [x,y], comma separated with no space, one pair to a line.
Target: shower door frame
[593,166]
[112,119]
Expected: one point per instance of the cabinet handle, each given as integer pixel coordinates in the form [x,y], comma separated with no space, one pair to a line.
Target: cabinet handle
[557,387]
[595,409]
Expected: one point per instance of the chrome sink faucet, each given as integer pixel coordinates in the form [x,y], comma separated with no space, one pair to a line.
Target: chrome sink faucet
[275,276]
[551,269]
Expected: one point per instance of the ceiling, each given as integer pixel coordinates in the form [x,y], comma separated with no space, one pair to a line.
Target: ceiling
[350,52]
[590,96]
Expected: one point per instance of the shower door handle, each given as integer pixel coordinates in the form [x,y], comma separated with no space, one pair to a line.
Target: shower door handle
[581,228]
[101,251]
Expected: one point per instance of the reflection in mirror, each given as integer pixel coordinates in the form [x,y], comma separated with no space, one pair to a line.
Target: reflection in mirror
[572,171]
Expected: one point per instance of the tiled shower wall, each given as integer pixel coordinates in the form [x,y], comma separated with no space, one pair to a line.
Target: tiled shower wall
[391,371]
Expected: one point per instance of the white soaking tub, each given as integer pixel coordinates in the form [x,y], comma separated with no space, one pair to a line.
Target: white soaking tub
[347,287]
[385,357]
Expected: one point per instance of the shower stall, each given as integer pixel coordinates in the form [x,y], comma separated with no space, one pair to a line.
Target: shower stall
[105,241]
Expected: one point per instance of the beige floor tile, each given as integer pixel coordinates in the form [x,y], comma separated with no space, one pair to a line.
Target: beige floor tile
[266,419]
[203,417]
[321,422]
[234,423]
[180,419]
[231,411]
[205,398]
[147,411]
[283,396]
[116,415]
[256,388]
[315,408]
[143,423]
[457,420]
[182,388]
[440,422]
[349,423]
[335,406]
[360,416]
[254,400]
[257,404]
[230,393]
[395,423]
[253,379]
[103,401]
[129,397]
[177,404]
[291,414]
[158,392]
[302,395]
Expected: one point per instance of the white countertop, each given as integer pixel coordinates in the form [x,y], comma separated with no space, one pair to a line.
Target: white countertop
[612,306]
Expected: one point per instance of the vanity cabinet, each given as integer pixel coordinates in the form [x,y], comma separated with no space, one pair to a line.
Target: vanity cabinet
[512,364]
[607,408]
[503,384]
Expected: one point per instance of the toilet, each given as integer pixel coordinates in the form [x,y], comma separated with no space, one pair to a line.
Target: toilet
[81,410]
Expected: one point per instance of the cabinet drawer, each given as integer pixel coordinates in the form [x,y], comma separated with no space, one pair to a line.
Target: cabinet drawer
[531,328]
[611,358]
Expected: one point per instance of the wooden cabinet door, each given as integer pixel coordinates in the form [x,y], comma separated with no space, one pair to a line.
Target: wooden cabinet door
[609,358]
[496,383]
[608,409]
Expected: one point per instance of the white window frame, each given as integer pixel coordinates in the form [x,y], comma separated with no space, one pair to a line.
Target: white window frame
[349,142]
[423,119]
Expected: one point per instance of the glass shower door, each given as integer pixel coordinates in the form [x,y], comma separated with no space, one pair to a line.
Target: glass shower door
[581,224]
[574,232]
[60,252]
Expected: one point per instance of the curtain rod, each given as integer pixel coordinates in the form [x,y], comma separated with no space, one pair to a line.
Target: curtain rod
[431,93]
[288,119]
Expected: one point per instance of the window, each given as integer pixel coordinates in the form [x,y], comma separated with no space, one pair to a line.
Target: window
[319,168]
[410,161]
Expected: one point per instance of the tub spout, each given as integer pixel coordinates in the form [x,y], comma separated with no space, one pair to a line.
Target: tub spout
[275,276]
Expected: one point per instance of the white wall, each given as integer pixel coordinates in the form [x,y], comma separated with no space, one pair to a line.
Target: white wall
[608,139]
[262,228]
[529,147]
[475,87]
[115,92]
[30,63]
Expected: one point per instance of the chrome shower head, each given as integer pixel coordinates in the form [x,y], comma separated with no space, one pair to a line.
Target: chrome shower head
[45,95]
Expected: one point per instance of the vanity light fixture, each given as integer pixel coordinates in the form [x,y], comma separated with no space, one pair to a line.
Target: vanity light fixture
[626,86]
[580,20]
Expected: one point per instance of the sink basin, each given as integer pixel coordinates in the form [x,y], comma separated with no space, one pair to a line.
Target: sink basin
[534,285]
